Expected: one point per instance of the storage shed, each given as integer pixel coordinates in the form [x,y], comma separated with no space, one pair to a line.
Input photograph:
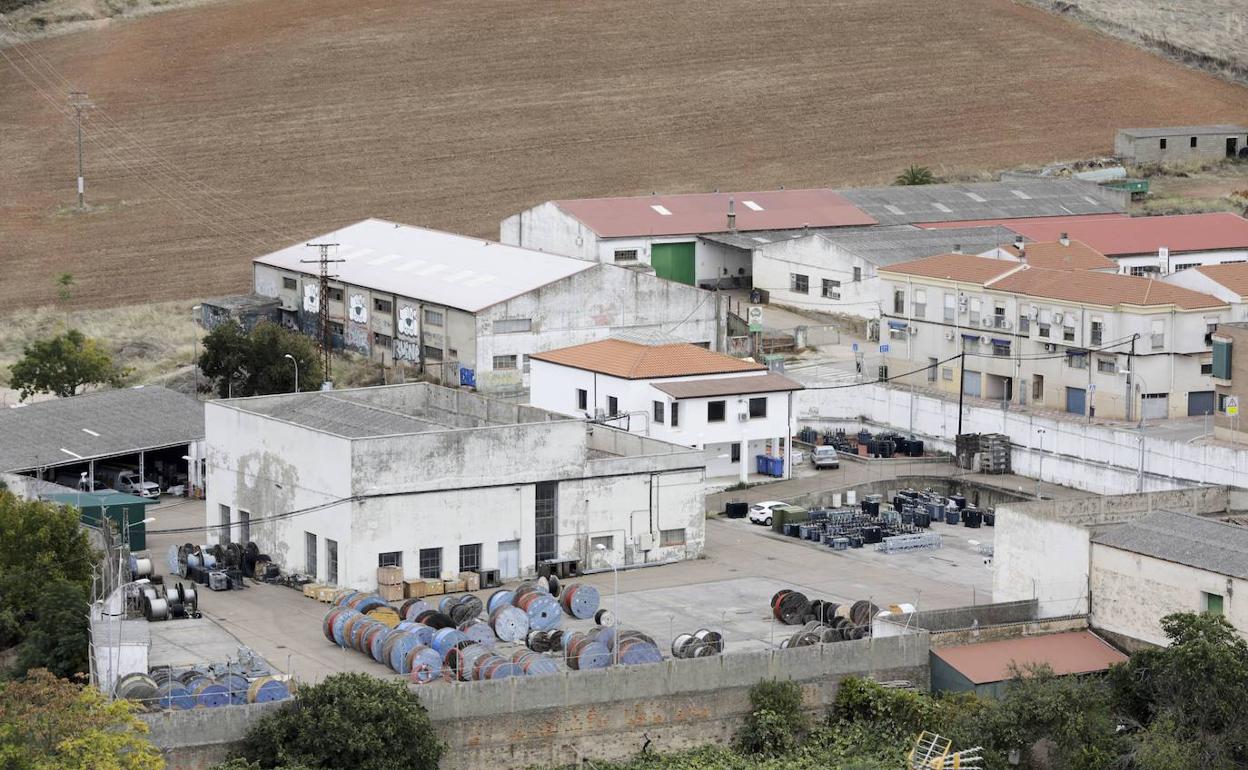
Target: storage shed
[127,512]
[1181,143]
[985,669]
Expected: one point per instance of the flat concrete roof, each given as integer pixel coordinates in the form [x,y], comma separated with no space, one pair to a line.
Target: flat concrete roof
[1144,133]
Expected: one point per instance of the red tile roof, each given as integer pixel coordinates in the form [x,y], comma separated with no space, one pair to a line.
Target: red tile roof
[1075,255]
[1075,652]
[635,361]
[1122,236]
[708,212]
[1233,275]
[964,268]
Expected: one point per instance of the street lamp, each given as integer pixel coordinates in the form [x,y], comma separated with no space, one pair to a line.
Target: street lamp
[148,520]
[296,365]
[1134,376]
[1040,471]
[195,320]
[615,606]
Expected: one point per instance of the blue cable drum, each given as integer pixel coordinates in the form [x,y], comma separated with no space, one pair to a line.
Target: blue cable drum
[370,603]
[344,598]
[511,624]
[401,645]
[543,611]
[266,690]
[505,671]
[424,664]
[172,695]
[479,631]
[462,660]
[423,633]
[581,601]
[413,607]
[212,695]
[339,621]
[635,652]
[374,647]
[498,599]
[406,625]
[446,638]
[591,656]
[236,686]
[447,602]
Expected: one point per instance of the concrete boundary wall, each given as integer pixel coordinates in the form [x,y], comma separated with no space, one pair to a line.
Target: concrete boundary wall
[1096,458]
[609,714]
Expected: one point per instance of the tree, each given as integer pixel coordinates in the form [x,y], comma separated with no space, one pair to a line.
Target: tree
[915,175]
[348,720]
[48,723]
[63,364]
[776,720]
[58,637]
[255,364]
[65,287]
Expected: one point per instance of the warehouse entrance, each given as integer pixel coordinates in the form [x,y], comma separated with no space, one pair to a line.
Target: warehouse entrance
[673,261]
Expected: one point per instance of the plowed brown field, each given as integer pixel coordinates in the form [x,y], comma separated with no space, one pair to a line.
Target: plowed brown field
[309,115]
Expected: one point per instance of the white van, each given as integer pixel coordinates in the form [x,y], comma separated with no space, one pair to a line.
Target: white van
[825,457]
[128,481]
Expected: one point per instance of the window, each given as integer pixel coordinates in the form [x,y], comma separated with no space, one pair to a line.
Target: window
[381,340]
[1221,365]
[382,305]
[831,289]
[974,316]
[998,316]
[950,307]
[1106,366]
[524,363]
[470,558]
[899,301]
[1024,325]
[933,365]
[626,255]
[1077,361]
[613,405]
[1158,334]
[1162,144]
[390,559]
[946,374]
[715,411]
[1185,266]
[309,553]
[1210,603]
[431,562]
[1037,387]
[658,412]
[920,304]
[335,294]
[289,283]
[1222,397]
[670,537]
[758,407]
[1206,368]
[331,556]
[1068,333]
[734,454]
[1193,144]
[1140,270]
[545,520]
[606,541]
[223,534]
[1098,331]
[244,527]
[504,363]
[432,353]
[799,283]
[513,325]
[857,274]
[582,399]
[675,413]
[1042,330]
[434,317]
[335,327]
[1211,326]
[999,350]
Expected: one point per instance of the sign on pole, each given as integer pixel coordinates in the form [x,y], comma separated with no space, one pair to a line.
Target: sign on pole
[754,317]
[884,348]
[1232,405]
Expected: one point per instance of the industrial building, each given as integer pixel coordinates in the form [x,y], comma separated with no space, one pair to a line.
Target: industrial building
[1082,341]
[708,239]
[1181,144]
[1230,381]
[149,429]
[731,409]
[470,311]
[436,481]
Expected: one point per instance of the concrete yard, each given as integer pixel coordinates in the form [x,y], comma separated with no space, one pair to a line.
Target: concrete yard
[727,591]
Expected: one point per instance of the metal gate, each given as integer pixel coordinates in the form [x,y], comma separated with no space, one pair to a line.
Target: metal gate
[1076,400]
[1156,406]
[1199,402]
[972,383]
[509,559]
[673,261]
[545,514]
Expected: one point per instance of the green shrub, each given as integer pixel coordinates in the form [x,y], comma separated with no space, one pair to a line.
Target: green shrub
[776,721]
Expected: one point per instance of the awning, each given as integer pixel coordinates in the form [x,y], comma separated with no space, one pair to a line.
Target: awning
[896,324]
[970,336]
[996,341]
[1076,352]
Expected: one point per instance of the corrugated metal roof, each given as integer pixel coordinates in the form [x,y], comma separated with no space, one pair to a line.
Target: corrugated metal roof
[694,213]
[1011,199]
[729,386]
[430,265]
[882,245]
[636,361]
[1074,652]
[94,425]
[1143,133]
[1197,542]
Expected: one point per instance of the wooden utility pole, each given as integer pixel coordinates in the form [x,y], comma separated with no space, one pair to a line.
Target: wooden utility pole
[327,340]
[79,101]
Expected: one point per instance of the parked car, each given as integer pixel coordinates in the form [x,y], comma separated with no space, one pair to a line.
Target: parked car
[761,513]
[129,481]
[825,457]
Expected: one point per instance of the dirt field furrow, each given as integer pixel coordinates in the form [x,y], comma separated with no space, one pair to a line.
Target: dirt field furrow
[455,113]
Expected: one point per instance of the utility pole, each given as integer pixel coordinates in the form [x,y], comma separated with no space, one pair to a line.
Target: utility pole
[79,101]
[961,387]
[327,340]
[1131,381]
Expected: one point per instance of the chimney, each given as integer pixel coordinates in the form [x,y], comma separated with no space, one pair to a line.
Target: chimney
[732,215]
[1064,240]
[957,248]
[1018,245]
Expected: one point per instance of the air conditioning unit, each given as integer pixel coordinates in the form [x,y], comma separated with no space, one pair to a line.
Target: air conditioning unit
[962,301]
[645,541]
[949,335]
[1032,313]
[984,340]
[913,330]
[1057,319]
[743,416]
[986,322]
[1005,324]
[1049,347]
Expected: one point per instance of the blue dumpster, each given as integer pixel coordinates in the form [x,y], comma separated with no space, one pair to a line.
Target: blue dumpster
[761,464]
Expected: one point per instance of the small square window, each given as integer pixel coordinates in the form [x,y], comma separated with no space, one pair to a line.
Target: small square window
[582,399]
[381,340]
[432,353]
[335,327]
[626,255]
[1211,603]
[470,557]
[382,305]
[1193,141]
[758,407]
[670,537]
[434,317]
[715,411]
[831,289]
[289,283]
[335,294]
[799,284]
[613,405]
[390,559]
[504,363]
[658,412]
[431,562]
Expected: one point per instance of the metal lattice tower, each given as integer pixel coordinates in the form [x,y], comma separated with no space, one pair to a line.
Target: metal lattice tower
[327,341]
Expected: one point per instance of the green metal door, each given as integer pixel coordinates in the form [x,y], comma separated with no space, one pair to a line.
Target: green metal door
[673,261]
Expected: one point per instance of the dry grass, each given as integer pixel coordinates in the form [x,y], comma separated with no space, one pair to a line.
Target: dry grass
[454,114]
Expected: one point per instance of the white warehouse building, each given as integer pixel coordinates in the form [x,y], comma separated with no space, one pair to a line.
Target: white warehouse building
[731,409]
[466,310]
[438,481]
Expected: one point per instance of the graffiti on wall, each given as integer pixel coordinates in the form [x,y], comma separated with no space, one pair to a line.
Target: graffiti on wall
[405,350]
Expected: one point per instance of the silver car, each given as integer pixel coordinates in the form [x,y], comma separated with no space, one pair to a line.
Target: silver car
[825,457]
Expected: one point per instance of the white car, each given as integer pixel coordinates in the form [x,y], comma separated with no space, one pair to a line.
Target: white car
[761,513]
[131,484]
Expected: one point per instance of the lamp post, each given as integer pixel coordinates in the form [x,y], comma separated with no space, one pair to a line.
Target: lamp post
[1140,473]
[148,520]
[615,607]
[1040,470]
[296,365]
[195,320]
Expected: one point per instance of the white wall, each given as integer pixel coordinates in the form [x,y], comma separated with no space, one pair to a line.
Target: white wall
[1132,592]
[819,259]
[546,227]
[1180,258]
[1042,559]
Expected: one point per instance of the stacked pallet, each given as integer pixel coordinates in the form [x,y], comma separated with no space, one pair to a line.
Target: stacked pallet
[390,583]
